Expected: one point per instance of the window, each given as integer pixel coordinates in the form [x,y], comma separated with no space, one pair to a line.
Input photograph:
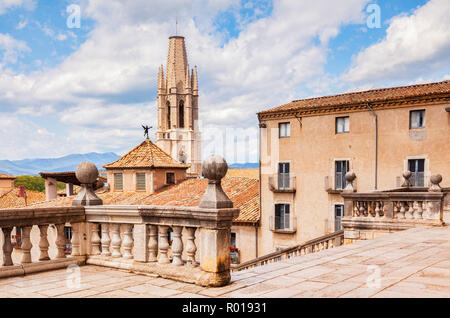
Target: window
[283,176]
[285,130]
[417,119]
[342,168]
[181,114]
[282,216]
[417,168]
[168,116]
[233,239]
[140,182]
[118,181]
[170,178]
[338,215]
[342,125]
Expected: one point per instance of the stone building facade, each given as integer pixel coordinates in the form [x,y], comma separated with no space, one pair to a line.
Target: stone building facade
[307,146]
[178,128]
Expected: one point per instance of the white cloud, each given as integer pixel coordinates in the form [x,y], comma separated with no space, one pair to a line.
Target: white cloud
[106,88]
[7,4]
[11,49]
[414,45]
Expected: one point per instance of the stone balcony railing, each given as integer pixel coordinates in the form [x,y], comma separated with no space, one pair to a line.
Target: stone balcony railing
[134,238]
[25,261]
[371,214]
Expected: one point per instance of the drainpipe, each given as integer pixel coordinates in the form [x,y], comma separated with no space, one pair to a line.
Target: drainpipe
[376,143]
[260,187]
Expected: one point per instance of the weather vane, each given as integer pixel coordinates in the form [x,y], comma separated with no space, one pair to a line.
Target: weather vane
[146,130]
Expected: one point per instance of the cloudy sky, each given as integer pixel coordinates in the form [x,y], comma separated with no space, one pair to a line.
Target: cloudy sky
[65,89]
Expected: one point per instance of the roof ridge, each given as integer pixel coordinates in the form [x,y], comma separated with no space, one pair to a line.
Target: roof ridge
[370,90]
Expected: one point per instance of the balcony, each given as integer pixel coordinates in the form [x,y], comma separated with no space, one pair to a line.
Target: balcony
[282,183]
[283,226]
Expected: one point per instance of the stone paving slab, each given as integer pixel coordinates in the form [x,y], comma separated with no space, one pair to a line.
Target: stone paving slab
[408,264]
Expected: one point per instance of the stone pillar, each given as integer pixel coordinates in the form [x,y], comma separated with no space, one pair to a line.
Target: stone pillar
[26,245]
[60,241]
[140,242]
[69,189]
[95,239]
[215,250]
[50,189]
[153,243]
[163,245]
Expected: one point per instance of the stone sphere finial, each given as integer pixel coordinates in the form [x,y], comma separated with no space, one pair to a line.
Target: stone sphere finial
[350,177]
[86,173]
[214,168]
[435,180]
[406,175]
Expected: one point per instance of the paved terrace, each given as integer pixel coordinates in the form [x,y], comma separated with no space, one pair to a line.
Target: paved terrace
[412,263]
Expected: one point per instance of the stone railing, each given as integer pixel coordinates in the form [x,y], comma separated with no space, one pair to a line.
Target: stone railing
[316,245]
[281,182]
[25,261]
[134,238]
[368,215]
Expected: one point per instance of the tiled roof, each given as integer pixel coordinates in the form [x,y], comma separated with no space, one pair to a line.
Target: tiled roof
[5,176]
[376,95]
[146,155]
[10,199]
[244,192]
[246,173]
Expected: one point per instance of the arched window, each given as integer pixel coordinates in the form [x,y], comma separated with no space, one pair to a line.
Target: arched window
[181,114]
[168,115]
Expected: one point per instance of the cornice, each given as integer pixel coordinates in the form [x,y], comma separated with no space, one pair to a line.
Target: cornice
[354,107]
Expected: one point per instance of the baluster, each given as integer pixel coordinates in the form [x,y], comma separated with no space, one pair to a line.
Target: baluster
[177,246]
[418,211]
[331,243]
[409,213]
[382,206]
[26,244]
[106,240]
[116,241]
[76,239]
[191,249]
[401,213]
[95,239]
[127,243]
[361,209]
[356,207]
[7,246]
[153,243]
[163,244]
[60,241]
[43,243]
[377,209]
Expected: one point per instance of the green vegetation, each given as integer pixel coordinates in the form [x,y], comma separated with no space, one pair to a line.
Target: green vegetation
[35,183]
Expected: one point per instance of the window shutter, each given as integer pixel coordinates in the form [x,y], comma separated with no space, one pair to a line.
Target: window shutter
[140,181]
[118,181]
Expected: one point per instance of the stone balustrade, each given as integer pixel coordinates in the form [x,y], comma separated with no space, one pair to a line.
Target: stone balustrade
[368,215]
[321,243]
[23,261]
[137,238]
[134,238]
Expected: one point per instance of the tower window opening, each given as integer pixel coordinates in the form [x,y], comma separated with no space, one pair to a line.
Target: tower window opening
[168,115]
[181,114]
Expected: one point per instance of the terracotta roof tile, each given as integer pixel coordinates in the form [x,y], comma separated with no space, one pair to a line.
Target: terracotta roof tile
[244,192]
[375,95]
[10,199]
[5,176]
[146,155]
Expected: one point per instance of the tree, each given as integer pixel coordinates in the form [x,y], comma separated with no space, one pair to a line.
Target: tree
[35,183]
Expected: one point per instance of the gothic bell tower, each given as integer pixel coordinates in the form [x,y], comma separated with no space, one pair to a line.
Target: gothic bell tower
[178,132]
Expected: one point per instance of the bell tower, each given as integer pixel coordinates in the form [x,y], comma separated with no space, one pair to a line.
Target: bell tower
[178,132]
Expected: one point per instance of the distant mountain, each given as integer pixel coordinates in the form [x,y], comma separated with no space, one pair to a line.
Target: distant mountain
[248,165]
[67,163]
